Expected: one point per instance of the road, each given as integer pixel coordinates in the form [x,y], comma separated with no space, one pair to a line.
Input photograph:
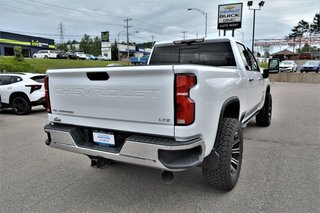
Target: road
[280,170]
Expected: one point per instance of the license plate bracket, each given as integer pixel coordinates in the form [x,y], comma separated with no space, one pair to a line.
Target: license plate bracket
[103,138]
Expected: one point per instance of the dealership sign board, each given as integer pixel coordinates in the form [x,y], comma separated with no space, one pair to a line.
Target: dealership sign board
[106,50]
[105,36]
[229,16]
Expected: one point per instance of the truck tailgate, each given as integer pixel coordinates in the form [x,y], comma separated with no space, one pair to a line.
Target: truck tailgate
[138,99]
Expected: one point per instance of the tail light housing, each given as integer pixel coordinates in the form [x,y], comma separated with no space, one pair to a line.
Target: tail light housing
[46,94]
[34,87]
[184,105]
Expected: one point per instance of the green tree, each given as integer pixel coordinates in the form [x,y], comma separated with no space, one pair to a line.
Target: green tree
[90,46]
[114,51]
[85,43]
[63,46]
[96,46]
[258,54]
[315,25]
[299,31]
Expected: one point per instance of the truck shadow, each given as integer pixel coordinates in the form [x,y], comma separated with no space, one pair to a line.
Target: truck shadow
[36,110]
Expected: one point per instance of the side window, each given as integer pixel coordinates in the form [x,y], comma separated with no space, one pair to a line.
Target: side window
[5,80]
[15,79]
[253,62]
[247,58]
[242,51]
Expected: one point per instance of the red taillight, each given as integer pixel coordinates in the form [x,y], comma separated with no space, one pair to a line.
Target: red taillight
[46,94]
[185,107]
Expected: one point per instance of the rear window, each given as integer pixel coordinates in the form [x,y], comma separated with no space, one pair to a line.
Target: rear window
[38,78]
[212,54]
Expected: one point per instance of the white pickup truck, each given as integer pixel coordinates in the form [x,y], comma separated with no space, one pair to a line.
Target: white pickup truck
[186,108]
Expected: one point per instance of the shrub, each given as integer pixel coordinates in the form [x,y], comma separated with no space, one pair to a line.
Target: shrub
[18,53]
[10,64]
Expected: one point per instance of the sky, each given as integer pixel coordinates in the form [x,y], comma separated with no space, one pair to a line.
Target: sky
[151,20]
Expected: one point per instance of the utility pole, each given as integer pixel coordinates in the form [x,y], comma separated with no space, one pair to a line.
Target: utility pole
[152,40]
[184,34]
[127,26]
[61,32]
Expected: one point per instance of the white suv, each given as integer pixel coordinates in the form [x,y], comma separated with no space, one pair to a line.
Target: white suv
[21,91]
[81,55]
[45,54]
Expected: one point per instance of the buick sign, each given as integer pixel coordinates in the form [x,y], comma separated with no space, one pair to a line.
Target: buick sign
[229,16]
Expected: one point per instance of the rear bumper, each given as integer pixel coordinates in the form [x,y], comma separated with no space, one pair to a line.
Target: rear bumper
[308,69]
[156,152]
[40,101]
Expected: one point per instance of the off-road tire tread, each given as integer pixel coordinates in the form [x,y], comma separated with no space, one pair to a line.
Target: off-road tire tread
[220,177]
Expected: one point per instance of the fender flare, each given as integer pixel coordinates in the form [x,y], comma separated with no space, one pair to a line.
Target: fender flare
[229,101]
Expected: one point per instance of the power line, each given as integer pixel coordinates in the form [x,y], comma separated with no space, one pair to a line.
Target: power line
[41,15]
[184,34]
[48,5]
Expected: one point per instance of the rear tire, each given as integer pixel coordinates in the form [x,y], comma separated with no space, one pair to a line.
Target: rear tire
[263,118]
[225,175]
[21,106]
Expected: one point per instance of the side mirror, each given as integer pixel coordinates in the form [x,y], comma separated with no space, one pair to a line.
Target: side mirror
[273,66]
[265,73]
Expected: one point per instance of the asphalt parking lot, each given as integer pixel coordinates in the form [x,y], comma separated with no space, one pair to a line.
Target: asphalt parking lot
[280,170]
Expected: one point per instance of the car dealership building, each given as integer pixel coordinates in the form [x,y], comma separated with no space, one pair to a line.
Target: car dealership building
[29,44]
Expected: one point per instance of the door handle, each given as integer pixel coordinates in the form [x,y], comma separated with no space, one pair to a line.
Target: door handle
[250,79]
[260,79]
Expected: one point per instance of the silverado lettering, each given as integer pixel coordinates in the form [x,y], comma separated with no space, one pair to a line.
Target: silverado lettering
[101,92]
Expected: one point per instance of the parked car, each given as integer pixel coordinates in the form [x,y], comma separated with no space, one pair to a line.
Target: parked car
[21,91]
[288,66]
[102,58]
[310,66]
[71,55]
[45,54]
[80,55]
[91,57]
[61,54]
[142,60]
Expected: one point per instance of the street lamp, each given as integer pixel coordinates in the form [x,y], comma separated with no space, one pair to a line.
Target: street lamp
[250,3]
[118,42]
[205,16]
[119,33]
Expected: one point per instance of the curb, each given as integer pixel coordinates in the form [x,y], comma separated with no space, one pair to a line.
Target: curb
[296,77]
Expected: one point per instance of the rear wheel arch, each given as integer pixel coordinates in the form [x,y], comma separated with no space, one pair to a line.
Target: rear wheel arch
[18,94]
[230,109]
[268,89]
